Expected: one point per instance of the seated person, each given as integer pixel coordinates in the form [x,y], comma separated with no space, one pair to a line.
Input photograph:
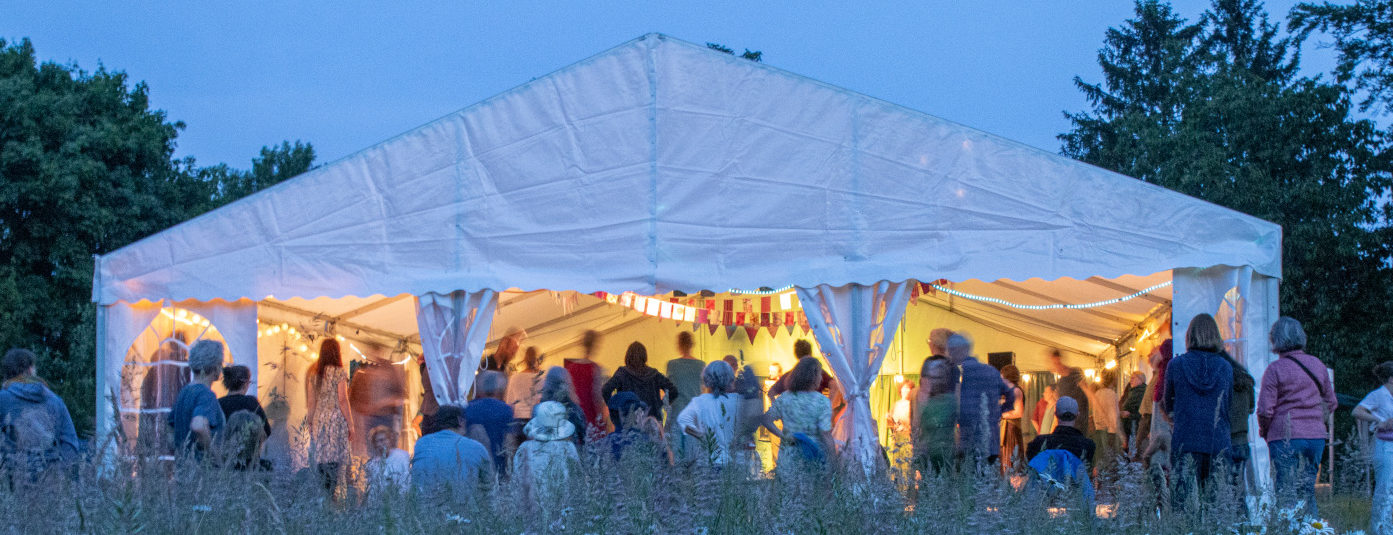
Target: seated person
[449,465]
[236,379]
[1065,455]
[389,467]
[635,429]
[242,440]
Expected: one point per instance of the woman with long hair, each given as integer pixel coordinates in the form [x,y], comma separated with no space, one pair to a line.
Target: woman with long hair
[557,386]
[1012,443]
[330,421]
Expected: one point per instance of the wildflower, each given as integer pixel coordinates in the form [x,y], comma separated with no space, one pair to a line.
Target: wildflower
[456,519]
[1320,527]
[202,509]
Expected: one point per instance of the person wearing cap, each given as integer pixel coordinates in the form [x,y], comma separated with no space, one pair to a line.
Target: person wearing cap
[448,464]
[1066,436]
[634,427]
[196,417]
[544,463]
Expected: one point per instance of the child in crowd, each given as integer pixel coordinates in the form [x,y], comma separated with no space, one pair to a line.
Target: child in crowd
[389,469]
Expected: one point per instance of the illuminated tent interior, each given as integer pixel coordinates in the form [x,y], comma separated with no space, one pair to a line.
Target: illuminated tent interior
[651,172]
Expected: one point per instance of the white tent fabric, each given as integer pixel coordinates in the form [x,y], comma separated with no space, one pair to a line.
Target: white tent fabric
[854,326]
[118,326]
[453,328]
[662,165]
[236,322]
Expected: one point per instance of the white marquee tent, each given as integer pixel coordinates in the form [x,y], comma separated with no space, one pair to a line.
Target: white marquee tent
[660,165]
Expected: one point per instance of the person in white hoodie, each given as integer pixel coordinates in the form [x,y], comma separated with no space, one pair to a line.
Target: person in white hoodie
[544,463]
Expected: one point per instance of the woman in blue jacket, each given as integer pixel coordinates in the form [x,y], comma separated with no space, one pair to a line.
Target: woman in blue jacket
[1198,388]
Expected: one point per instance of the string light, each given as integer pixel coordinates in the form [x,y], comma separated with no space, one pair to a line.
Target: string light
[1060,306]
[737,291]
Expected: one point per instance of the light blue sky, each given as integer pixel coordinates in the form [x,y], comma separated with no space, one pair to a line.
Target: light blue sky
[346,75]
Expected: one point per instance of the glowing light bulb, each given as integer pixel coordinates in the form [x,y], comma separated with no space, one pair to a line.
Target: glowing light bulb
[1025,378]
[899,378]
[338,337]
[1110,365]
[304,348]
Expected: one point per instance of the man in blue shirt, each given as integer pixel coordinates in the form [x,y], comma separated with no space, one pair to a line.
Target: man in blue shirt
[196,417]
[489,417]
[981,394]
[449,465]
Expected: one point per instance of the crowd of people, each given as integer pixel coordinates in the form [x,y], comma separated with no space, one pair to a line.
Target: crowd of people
[1188,423]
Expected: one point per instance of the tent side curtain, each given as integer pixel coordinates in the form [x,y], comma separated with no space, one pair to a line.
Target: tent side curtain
[1244,303]
[454,328]
[854,326]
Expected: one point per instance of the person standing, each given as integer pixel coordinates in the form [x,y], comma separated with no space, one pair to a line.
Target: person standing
[38,421]
[685,373]
[710,418]
[1295,400]
[377,396]
[502,356]
[489,418]
[330,420]
[1376,409]
[587,377]
[1242,403]
[805,439]
[196,417]
[803,349]
[1199,386]
[524,392]
[935,417]
[1105,421]
[1070,383]
[1044,411]
[236,379]
[981,394]
[1130,410]
[1012,444]
[651,386]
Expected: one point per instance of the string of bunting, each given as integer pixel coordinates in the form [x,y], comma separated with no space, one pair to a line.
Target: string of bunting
[752,314]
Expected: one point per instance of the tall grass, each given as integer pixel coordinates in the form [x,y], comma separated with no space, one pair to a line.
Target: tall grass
[638,496]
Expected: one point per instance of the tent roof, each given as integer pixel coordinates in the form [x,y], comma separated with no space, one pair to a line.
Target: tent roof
[662,165]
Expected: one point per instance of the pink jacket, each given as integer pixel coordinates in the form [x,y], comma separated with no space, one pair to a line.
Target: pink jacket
[1290,404]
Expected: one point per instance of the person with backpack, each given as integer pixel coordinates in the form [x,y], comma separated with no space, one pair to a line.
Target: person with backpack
[35,422]
[1294,401]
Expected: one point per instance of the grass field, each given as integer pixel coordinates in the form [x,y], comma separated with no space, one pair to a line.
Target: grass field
[636,497]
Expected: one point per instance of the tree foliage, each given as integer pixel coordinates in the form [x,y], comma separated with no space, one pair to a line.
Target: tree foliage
[87,167]
[1363,33]
[1216,109]
[755,56]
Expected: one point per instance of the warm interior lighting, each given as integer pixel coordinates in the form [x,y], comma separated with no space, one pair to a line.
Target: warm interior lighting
[1110,365]
[899,378]
[1025,378]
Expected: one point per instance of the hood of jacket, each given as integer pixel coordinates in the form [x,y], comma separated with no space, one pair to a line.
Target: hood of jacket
[646,373]
[1203,371]
[31,392]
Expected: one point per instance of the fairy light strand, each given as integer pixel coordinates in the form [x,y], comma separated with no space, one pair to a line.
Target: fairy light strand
[1059,306]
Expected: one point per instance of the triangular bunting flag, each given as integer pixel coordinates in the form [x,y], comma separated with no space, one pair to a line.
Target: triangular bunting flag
[713,327]
[751,332]
[730,331]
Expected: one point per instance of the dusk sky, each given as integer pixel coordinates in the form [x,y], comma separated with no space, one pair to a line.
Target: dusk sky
[346,75]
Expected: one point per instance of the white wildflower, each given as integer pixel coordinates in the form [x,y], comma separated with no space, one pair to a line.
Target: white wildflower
[202,509]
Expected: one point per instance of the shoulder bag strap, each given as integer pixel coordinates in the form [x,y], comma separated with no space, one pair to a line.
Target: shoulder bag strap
[1319,386]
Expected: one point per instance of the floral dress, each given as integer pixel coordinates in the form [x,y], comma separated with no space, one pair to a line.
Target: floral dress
[329,432]
[809,413]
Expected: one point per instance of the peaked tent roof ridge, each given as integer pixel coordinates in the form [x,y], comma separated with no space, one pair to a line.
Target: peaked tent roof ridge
[830,123]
